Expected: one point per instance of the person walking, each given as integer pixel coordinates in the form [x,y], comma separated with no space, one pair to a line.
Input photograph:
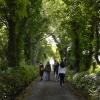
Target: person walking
[62,71]
[56,66]
[48,70]
[41,70]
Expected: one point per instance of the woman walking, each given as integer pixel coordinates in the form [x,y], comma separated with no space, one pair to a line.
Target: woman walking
[62,71]
[47,71]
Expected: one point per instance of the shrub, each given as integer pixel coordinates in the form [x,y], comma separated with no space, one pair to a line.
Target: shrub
[88,82]
[14,80]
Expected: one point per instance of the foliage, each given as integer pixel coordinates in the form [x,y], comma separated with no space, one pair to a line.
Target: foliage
[73,24]
[89,83]
[14,80]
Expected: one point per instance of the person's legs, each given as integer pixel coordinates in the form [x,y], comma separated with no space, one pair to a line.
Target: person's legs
[48,75]
[54,71]
[45,76]
[61,78]
[41,75]
[57,76]
[63,75]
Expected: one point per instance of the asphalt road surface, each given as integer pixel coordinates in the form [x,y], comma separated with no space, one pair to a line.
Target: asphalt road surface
[49,90]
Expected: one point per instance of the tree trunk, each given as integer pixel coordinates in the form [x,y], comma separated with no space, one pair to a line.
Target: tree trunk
[76,45]
[11,20]
[28,47]
[91,38]
[12,61]
[77,52]
[97,47]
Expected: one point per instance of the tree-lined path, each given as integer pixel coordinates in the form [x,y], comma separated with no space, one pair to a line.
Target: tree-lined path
[37,31]
[49,90]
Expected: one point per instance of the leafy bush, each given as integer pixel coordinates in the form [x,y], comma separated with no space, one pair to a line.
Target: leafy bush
[87,82]
[69,75]
[14,80]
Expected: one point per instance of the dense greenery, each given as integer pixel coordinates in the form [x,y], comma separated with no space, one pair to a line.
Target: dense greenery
[25,26]
[88,82]
[14,80]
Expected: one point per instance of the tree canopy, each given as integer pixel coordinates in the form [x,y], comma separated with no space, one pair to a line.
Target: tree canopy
[26,25]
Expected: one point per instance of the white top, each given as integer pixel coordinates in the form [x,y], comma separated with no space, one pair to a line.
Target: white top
[62,70]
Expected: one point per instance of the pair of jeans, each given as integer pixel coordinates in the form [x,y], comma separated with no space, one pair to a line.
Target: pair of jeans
[61,76]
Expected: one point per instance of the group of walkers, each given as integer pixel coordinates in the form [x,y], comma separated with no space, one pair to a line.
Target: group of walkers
[58,68]
[45,71]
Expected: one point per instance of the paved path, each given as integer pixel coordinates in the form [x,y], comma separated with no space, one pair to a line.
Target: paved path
[49,90]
